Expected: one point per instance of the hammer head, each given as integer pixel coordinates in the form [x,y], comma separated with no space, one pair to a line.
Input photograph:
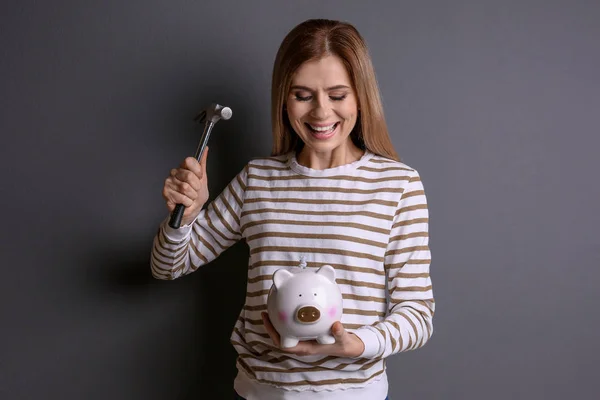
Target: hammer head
[214,113]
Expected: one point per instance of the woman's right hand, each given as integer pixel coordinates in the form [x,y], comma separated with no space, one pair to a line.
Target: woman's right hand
[187,185]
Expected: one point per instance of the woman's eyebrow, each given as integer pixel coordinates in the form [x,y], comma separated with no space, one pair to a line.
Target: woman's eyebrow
[336,87]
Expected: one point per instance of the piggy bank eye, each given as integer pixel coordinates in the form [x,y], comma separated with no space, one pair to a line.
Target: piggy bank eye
[315,294]
[300,295]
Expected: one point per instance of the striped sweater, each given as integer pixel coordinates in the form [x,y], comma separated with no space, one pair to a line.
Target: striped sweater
[368,219]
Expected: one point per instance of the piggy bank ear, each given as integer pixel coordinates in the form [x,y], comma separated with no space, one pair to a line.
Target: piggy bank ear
[328,272]
[280,276]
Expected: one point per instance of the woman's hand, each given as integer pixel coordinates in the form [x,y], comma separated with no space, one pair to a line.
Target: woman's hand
[346,344]
[187,185]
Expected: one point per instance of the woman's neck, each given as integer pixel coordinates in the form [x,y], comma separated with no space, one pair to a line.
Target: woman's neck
[329,159]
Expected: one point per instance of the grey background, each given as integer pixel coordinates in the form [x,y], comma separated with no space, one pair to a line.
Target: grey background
[496,103]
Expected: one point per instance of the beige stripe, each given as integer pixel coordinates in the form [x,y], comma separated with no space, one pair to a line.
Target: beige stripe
[331,178]
[310,264]
[363,298]
[411,305]
[394,342]
[400,341]
[357,326]
[413,194]
[241,183]
[223,220]
[409,346]
[246,367]
[410,222]
[359,283]
[414,327]
[289,200]
[254,321]
[206,244]
[424,303]
[230,210]
[370,169]
[310,250]
[306,213]
[160,270]
[277,263]
[170,264]
[260,278]
[235,196]
[323,189]
[251,352]
[263,356]
[269,167]
[381,161]
[408,236]
[409,262]
[316,223]
[167,240]
[181,267]
[408,276]
[199,255]
[255,343]
[214,229]
[383,333]
[164,276]
[178,268]
[313,369]
[265,335]
[412,208]
[370,313]
[415,179]
[243,337]
[406,250]
[317,237]
[321,382]
[258,293]
[262,307]
[180,249]
[282,160]
[173,256]
[418,338]
[429,303]
[422,323]
[410,289]
[280,358]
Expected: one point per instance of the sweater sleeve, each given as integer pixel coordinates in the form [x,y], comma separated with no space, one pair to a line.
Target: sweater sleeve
[178,252]
[408,324]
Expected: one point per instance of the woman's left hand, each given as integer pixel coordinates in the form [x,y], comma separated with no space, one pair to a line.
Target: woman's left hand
[346,344]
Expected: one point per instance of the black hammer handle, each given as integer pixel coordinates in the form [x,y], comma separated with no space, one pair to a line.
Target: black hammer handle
[177,214]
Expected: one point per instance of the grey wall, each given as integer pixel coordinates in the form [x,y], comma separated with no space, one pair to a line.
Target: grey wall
[495,103]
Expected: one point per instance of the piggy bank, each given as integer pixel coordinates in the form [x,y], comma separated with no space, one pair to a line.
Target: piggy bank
[304,305]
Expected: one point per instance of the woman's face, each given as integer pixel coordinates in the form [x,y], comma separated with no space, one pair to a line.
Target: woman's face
[322,105]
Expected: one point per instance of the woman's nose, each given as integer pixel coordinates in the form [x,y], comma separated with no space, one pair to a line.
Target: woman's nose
[321,108]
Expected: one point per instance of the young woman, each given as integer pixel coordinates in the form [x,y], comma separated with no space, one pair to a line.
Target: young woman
[333,192]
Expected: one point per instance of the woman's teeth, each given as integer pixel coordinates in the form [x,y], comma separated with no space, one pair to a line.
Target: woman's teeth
[323,129]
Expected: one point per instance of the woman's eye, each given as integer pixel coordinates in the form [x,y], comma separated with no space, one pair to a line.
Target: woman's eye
[303,98]
[299,97]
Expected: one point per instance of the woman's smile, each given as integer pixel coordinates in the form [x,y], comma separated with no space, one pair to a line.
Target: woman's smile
[322,131]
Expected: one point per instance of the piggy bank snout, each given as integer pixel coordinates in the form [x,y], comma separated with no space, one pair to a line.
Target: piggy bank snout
[308,315]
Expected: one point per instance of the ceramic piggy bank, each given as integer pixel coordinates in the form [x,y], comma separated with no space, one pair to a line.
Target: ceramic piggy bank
[304,305]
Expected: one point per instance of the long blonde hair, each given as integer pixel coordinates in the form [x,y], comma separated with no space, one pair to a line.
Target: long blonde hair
[312,40]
